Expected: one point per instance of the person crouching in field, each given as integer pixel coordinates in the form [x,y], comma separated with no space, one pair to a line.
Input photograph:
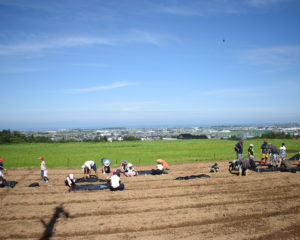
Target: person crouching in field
[159,169]
[245,165]
[44,172]
[2,171]
[214,168]
[70,180]
[115,182]
[130,171]
[105,165]
[274,152]
[123,166]
[87,167]
[164,163]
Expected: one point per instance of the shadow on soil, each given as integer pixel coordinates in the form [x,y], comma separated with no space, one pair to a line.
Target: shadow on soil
[49,227]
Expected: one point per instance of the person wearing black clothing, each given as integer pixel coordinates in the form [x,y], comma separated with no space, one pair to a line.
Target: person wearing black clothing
[274,154]
[239,150]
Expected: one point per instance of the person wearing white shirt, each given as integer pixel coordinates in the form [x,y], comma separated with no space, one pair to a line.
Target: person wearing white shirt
[159,169]
[70,180]
[282,154]
[87,167]
[115,182]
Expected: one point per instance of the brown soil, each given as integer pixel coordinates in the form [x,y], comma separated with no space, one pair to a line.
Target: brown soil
[225,206]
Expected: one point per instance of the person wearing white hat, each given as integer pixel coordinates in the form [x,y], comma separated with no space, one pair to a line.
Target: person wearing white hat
[130,172]
[251,152]
[105,165]
[87,167]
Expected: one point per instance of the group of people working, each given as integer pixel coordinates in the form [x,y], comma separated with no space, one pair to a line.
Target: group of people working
[271,156]
[114,179]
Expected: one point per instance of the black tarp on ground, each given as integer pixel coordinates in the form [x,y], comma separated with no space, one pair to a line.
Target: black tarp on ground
[193,177]
[260,170]
[35,184]
[8,184]
[292,170]
[89,187]
[295,157]
[83,180]
[148,172]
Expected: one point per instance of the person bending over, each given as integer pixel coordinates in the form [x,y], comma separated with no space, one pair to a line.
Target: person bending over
[87,167]
[105,165]
[159,169]
[70,180]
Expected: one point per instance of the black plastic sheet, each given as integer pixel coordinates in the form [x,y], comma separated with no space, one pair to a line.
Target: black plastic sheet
[193,177]
[292,170]
[148,172]
[8,184]
[35,184]
[89,187]
[89,180]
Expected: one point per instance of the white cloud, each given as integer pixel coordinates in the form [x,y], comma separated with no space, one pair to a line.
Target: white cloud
[280,56]
[201,8]
[141,36]
[206,8]
[43,44]
[100,88]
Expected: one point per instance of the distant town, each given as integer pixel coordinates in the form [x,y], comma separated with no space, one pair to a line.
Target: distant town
[148,134]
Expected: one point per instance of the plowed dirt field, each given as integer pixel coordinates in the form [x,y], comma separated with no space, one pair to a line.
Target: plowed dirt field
[224,206]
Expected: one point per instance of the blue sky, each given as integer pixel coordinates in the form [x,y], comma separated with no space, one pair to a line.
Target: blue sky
[144,63]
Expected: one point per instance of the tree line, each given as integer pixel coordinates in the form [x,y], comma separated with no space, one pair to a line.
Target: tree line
[271,135]
[8,136]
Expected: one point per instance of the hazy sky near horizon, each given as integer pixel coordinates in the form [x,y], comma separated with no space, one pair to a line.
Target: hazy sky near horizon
[139,63]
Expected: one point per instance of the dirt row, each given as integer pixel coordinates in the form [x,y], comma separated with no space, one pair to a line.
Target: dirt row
[224,206]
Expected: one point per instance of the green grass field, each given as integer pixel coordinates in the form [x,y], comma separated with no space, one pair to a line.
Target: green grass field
[138,152]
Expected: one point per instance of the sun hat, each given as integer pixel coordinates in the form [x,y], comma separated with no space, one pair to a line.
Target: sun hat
[106,162]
